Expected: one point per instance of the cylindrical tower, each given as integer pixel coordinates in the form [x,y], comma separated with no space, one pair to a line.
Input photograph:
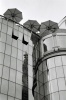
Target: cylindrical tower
[49,65]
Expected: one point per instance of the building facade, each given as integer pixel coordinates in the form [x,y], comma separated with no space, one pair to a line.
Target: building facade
[49,64]
[13,47]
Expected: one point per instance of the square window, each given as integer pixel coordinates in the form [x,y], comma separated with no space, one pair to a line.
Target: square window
[4,86]
[2,47]
[1,58]
[19,65]
[4,28]
[5,73]
[8,50]
[9,40]
[19,54]
[14,52]
[11,91]
[18,91]
[14,43]
[3,37]
[19,78]
[13,63]
[12,75]
[9,32]
[7,61]
[25,48]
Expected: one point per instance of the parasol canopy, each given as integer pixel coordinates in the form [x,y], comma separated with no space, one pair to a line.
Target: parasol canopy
[13,14]
[48,26]
[32,25]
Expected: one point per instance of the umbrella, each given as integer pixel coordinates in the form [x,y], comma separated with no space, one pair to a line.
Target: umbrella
[13,14]
[48,26]
[32,25]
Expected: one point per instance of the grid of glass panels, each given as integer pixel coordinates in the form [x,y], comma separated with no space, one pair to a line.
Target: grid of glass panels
[51,42]
[51,79]
[12,58]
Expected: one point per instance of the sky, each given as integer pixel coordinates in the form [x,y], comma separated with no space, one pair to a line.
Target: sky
[40,10]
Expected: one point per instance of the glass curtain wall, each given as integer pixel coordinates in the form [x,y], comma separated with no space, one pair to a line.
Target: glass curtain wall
[12,51]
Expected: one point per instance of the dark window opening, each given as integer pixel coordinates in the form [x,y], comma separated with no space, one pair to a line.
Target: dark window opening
[13,36]
[23,41]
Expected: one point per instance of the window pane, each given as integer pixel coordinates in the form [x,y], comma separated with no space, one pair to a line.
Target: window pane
[1,58]
[19,44]
[8,50]
[13,63]
[9,40]
[54,86]
[7,61]
[52,73]
[4,28]
[4,86]
[19,78]
[3,97]
[11,91]
[59,71]
[62,95]
[30,50]
[64,60]
[0,26]
[14,43]
[14,52]
[18,91]
[62,86]
[1,70]
[46,76]
[58,61]
[64,67]
[10,98]
[6,72]
[19,54]
[19,65]
[10,23]
[20,36]
[5,21]
[9,31]
[55,96]
[12,75]
[51,63]
[42,90]
[3,37]
[15,32]
[26,38]
[2,47]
